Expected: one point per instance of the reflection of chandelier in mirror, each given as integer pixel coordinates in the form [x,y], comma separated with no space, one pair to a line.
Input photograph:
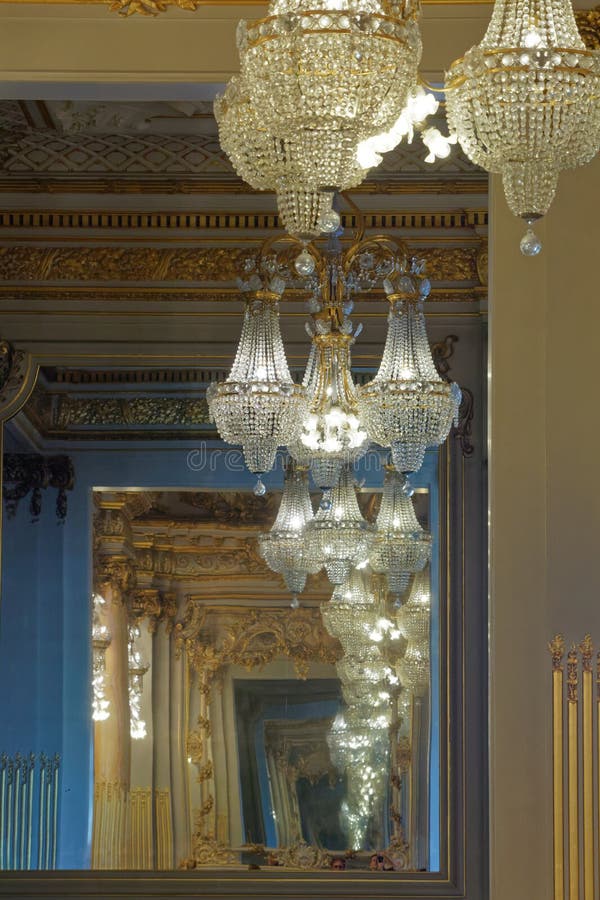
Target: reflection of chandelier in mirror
[283,546]
[401,546]
[101,638]
[414,621]
[524,103]
[137,669]
[338,538]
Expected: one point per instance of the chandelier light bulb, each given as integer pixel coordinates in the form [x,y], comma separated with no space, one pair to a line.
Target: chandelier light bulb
[524,102]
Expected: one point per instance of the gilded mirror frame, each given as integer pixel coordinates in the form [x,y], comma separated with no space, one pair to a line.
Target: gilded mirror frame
[462,708]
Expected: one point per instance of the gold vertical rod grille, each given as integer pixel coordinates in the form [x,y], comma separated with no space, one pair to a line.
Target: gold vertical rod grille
[587,741]
[557,651]
[573,771]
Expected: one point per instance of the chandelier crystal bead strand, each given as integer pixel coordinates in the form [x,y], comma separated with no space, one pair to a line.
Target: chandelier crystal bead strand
[525,103]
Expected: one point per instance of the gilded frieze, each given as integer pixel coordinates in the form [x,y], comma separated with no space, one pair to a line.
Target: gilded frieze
[159,264]
[78,412]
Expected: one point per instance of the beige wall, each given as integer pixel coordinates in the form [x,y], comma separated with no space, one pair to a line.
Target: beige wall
[545,505]
[68,43]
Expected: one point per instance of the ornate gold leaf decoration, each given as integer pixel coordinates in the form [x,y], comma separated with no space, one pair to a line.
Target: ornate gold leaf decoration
[572,674]
[200,264]
[155,605]
[399,850]
[150,7]
[258,636]
[207,851]
[116,571]
[556,648]
[588,22]
[73,412]
[302,856]
[586,648]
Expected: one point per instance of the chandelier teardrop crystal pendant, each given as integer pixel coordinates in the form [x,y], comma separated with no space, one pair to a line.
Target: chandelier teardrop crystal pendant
[401,546]
[407,406]
[259,406]
[338,538]
[282,547]
[316,80]
[525,103]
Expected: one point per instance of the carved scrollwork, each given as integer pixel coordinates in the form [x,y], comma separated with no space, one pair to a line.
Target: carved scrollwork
[155,605]
[302,856]
[17,378]
[118,572]
[442,351]
[31,473]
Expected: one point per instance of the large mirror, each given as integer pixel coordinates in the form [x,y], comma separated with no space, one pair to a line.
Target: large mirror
[168,704]
[223,723]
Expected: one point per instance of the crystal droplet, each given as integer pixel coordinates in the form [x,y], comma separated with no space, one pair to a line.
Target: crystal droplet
[295,601]
[259,488]
[530,243]
[304,263]
[330,221]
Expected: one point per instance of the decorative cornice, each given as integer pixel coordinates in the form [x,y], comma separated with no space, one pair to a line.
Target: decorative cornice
[588,22]
[226,221]
[31,473]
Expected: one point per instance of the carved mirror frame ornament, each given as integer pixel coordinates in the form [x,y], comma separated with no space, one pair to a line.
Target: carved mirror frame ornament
[462,750]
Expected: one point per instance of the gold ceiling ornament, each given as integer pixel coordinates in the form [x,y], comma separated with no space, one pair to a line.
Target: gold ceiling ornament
[150,7]
[588,23]
[524,103]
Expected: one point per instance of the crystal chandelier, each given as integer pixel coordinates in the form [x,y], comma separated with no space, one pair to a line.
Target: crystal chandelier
[401,546]
[524,103]
[315,82]
[407,406]
[258,405]
[282,547]
[137,670]
[414,622]
[101,638]
[338,538]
